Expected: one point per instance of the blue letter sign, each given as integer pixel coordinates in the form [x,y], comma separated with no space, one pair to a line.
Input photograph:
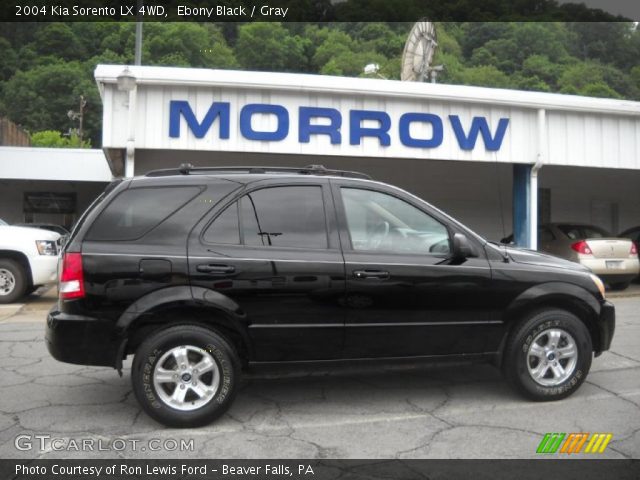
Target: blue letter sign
[281,131]
[479,124]
[305,129]
[405,136]
[357,131]
[328,122]
[182,107]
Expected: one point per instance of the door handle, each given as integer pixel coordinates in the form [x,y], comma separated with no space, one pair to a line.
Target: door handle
[215,268]
[364,274]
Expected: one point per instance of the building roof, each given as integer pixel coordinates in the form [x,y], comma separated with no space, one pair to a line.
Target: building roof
[195,77]
[66,164]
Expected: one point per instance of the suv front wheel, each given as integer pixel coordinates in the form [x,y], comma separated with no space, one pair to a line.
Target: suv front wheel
[185,376]
[13,281]
[548,355]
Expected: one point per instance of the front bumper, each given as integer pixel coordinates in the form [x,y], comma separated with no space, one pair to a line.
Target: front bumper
[606,326]
[81,340]
[44,269]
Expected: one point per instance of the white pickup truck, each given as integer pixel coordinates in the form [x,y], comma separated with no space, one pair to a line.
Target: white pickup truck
[28,259]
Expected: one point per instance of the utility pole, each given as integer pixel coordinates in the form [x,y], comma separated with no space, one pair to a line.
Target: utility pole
[83,103]
[79,115]
[138,51]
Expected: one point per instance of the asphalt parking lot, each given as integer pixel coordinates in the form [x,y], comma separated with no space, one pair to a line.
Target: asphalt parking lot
[49,408]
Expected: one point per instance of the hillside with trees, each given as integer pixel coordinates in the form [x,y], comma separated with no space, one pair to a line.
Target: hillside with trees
[46,67]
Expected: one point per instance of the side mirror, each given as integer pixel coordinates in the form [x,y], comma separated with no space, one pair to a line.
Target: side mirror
[461,247]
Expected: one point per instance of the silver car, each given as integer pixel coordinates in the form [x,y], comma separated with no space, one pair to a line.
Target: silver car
[614,260]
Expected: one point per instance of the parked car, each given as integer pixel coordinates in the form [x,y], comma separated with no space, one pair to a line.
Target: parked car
[632,234]
[46,226]
[202,272]
[28,259]
[613,259]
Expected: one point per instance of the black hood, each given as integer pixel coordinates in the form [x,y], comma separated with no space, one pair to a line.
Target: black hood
[533,257]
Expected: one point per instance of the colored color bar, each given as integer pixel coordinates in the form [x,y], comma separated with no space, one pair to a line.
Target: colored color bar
[581,443]
[568,443]
[543,443]
[606,441]
[555,442]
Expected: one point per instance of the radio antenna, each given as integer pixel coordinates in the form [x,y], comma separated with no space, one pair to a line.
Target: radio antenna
[500,201]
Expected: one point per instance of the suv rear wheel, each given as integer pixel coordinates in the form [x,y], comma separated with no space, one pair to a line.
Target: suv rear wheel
[185,376]
[548,355]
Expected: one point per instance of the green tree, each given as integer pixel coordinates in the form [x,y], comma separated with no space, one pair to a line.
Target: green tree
[55,139]
[539,66]
[486,76]
[352,63]
[335,43]
[187,44]
[57,39]
[40,98]
[269,47]
[9,57]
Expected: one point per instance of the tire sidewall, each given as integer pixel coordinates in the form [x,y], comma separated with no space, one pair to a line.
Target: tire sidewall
[150,353]
[523,340]
[19,275]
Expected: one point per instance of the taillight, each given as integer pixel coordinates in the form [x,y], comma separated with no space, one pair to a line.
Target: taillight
[582,247]
[72,278]
[634,249]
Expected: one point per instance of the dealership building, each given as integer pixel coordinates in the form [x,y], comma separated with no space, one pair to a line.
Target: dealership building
[498,160]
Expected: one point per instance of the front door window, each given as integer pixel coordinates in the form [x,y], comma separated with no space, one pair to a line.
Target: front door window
[382,223]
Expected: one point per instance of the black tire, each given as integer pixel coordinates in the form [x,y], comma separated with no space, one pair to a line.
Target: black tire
[11,271]
[32,288]
[620,286]
[151,352]
[516,360]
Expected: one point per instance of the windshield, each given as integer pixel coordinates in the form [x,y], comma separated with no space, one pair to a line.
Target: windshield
[2,222]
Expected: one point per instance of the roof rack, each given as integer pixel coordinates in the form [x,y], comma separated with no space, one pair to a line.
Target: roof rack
[188,169]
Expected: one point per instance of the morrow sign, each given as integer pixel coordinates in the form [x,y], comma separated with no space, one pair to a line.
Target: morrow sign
[329,122]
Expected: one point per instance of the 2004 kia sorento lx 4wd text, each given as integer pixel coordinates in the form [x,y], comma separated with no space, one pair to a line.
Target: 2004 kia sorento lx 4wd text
[201,272]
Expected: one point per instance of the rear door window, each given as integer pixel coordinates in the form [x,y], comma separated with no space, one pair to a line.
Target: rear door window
[290,216]
[136,211]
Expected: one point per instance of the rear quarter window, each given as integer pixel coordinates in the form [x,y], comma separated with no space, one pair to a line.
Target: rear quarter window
[136,211]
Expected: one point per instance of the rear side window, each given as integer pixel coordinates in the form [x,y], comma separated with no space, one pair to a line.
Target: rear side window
[579,232]
[136,211]
[225,228]
[273,217]
[545,235]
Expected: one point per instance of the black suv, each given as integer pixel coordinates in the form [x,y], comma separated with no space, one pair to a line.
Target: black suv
[202,272]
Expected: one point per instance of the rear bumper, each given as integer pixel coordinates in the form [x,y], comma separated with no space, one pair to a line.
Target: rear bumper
[625,267]
[607,326]
[81,340]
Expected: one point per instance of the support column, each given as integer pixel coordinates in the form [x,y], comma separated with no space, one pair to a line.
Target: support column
[521,205]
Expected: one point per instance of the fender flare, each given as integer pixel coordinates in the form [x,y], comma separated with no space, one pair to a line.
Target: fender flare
[227,313]
[549,294]
[541,293]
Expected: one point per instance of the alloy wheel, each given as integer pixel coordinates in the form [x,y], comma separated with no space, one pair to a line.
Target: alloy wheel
[552,357]
[186,377]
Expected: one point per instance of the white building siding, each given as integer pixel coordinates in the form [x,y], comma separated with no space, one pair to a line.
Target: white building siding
[590,140]
[580,131]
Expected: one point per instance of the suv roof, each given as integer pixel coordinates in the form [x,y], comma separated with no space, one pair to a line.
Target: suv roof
[188,169]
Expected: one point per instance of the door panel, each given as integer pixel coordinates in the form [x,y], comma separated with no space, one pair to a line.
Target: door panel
[404,296]
[290,295]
